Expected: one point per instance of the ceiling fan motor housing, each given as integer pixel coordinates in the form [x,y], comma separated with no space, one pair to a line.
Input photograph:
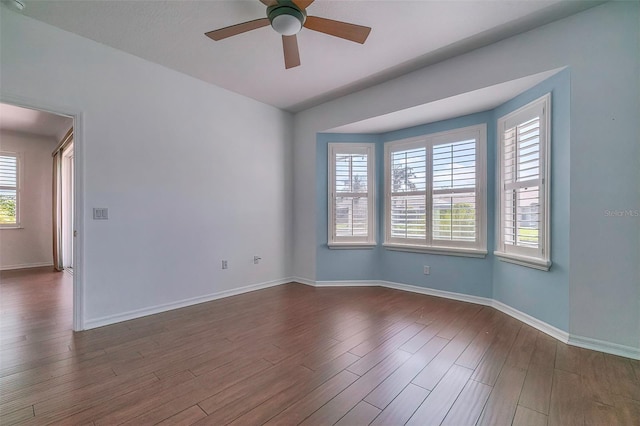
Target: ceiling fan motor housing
[286,18]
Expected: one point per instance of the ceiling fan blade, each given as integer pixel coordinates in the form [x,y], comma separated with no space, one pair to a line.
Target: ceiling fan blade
[269,2]
[303,4]
[237,29]
[291,52]
[352,32]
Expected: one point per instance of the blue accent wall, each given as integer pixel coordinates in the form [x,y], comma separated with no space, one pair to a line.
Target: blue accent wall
[543,295]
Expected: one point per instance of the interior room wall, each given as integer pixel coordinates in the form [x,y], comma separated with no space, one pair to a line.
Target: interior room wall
[601,47]
[31,245]
[192,174]
[544,294]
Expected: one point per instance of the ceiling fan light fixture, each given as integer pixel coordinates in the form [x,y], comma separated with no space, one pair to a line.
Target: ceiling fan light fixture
[286,20]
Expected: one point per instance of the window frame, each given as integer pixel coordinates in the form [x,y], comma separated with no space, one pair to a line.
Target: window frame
[539,258]
[18,187]
[340,242]
[477,248]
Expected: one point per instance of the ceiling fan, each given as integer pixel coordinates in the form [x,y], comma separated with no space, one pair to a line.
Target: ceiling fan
[287,17]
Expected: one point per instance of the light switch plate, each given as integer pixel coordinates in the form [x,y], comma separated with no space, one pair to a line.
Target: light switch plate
[101,213]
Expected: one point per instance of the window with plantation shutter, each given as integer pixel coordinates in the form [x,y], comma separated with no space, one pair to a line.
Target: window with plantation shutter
[524,178]
[435,193]
[408,194]
[351,195]
[9,189]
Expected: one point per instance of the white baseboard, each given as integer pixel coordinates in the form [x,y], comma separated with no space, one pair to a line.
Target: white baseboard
[126,316]
[556,333]
[546,328]
[354,283]
[604,346]
[438,293]
[25,266]
[304,281]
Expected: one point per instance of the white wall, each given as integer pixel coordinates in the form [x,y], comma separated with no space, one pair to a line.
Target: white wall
[32,245]
[601,48]
[191,173]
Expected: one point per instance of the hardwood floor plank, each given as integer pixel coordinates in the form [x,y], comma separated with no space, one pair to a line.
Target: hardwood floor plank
[370,360]
[441,364]
[361,414]
[468,407]
[503,401]
[168,403]
[382,395]
[536,392]
[489,368]
[522,349]
[274,405]
[621,377]
[597,414]
[628,410]
[16,416]
[186,417]
[436,406]
[527,417]
[333,411]
[595,385]
[567,402]
[315,399]
[226,406]
[400,410]
[568,358]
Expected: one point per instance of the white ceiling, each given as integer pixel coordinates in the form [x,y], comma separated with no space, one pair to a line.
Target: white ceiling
[40,123]
[405,35]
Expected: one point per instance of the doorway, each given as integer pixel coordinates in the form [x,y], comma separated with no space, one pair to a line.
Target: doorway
[66,194]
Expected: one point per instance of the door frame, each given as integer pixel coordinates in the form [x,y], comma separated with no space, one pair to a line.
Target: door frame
[78,195]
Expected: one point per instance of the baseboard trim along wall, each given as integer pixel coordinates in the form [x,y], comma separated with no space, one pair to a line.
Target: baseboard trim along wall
[563,336]
[25,266]
[138,313]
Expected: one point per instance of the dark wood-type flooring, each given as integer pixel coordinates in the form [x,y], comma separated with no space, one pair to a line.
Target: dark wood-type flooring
[295,354]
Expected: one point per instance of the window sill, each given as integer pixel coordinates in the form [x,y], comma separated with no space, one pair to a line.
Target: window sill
[529,262]
[446,251]
[11,227]
[351,246]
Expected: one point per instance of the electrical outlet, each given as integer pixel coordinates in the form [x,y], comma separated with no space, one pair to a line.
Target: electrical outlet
[256,260]
[427,270]
[225,265]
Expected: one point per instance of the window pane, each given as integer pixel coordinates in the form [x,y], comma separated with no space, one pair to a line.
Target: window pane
[351,216]
[408,170]
[528,216]
[408,215]
[7,206]
[454,165]
[8,170]
[454,217]
[454,213]
[351,173]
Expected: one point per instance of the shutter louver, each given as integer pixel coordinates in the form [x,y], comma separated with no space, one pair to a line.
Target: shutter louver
[522,181]
[454,191]
[350,214]
[408,194]
[8,189]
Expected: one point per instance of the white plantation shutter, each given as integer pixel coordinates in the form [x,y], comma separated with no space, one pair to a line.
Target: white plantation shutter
[408,194]
[454,191]
[351,193]
[524,181]
[8,189]
[435,198]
